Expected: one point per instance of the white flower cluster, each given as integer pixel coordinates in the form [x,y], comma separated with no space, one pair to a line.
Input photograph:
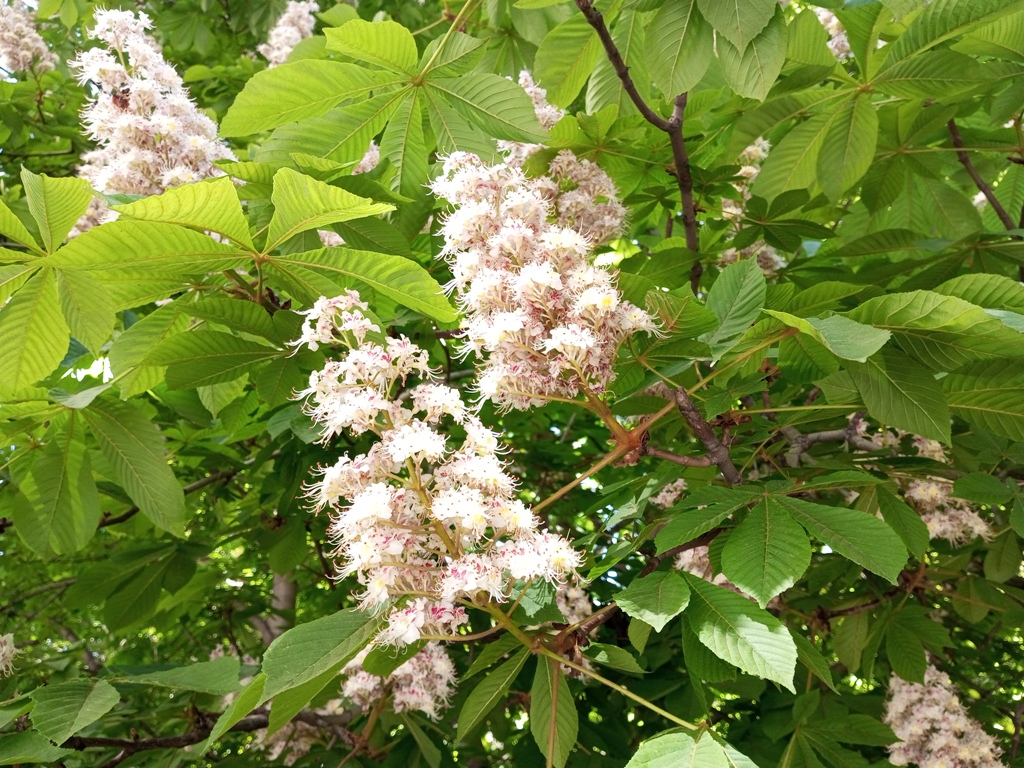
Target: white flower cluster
[294,26]
[696,562]
[669,494]
[517,153]
[424,683]
[427,530]
[838,42]
[22,48]
[550,321]
[7,653]
[573,602]
[291,742]
[734,211]
[946,516]
[934,727]
[150,134]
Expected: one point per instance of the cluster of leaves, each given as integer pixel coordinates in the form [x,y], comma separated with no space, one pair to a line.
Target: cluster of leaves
[155,538]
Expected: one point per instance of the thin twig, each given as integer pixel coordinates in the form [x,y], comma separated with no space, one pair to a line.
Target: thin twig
[675,458]
[979,182]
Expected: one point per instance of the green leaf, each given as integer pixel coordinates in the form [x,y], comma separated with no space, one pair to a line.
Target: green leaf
[920,76]
[849,146]
[29,747]
[309,650]
[942,332]
[242,705]
[12,227]
[989,395]
[454,133]
[382,661]
[982,488]
[385,43]
[33,334]
[490,653]
[900,393]
[989,291]
[604,88]
[87,308]
[553,719]
[218,677]
[460,54]
[210,205]
[240,314]
[856,535]
[738,21]
[841,336]
[396,277]
[430,751]
[736,298]
[494,104]
[302,203]
[492,689]
[737,631]
[679,750]
[566,58]
[1002,561]
[58,508]
[905,521]
[971,599]
[614,657]
[655,599]
[905,653]
[154,247]
[639,632]
[404,145]
[944,19]
[811,658]
[288,704]
[296,91]
[766,553]
[55,204]
[793,162]
[133,447]
[63,710]
[204,357]
[752,69]
[679,47]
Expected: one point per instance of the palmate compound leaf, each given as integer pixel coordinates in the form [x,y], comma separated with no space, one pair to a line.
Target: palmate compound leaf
[302,203]
[680,750]
[740,633]
[554,722]
[655,599]
[767,552]
[63,710]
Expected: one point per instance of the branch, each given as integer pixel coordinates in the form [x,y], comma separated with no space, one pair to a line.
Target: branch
[1015,744]
[799,444]
[210,479]
[717,452]
[982,185]
[675,458]
[673,126]
[655,561]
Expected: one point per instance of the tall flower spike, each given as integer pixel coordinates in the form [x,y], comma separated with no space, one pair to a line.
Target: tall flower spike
[550,321]
[22,48]
[425,683]
[294,26]
[150,135]
[426,523]
[7,653]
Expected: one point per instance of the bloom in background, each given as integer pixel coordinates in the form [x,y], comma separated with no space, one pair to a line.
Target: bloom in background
[838,42]
[734,211]
[549,320]
[574,603]
[934,727]
[516,153]
[294,26]
[424,683]
[150,135]
[428,524]
[7,654]
[696,562]
[669,494]
[22,49]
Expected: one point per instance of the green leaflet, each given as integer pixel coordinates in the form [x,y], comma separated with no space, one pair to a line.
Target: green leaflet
[33,334]
[492,689]
[386,44]
[204,357]
[839,335]
[207,206]
[752,68]
[218,677]
[61,711]
[655,599]
[566,58]
[738,21]
[739,632]
[679,47]
[297,91]
[670,750]
[766,553]
[989,395]
[134,448]
[736,298]
[848,147]
[553,719]
[302,203]
[56,204]
[404,145]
